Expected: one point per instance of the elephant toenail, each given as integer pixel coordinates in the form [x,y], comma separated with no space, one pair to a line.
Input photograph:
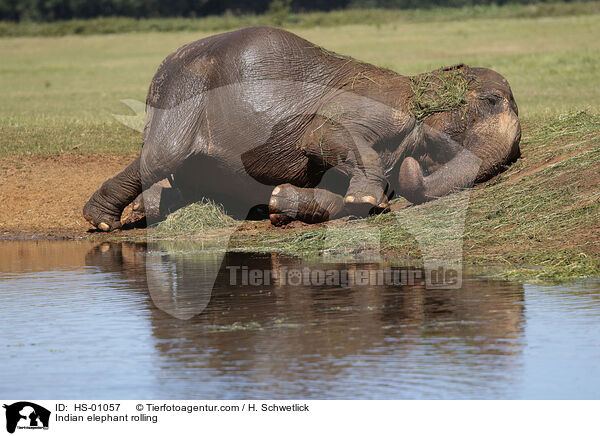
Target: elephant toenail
[104,227]
[369,199]
[350,199]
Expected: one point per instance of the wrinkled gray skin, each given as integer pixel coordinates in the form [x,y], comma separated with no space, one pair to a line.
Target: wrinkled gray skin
[260,116]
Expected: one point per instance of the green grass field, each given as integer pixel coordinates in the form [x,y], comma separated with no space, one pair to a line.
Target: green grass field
[59,94]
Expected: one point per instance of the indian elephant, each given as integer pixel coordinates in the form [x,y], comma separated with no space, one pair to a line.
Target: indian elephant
[260,116]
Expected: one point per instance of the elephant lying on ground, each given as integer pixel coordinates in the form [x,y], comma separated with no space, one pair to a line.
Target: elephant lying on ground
[261,116]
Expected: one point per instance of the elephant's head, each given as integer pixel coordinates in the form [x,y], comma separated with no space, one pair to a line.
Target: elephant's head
[488,130]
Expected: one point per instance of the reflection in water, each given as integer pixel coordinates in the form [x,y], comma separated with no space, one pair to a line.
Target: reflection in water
[267,340]
[326,334]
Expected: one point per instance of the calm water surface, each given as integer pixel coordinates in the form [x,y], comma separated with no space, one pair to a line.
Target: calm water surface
[83,321]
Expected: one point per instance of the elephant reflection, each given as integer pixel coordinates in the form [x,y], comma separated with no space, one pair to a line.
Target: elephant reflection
[268,327]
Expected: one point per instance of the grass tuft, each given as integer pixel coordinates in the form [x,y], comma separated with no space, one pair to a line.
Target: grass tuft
[438,91]
[566,267]
[197,218]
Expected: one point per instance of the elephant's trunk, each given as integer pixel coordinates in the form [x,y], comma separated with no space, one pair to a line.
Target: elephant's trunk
[458,173]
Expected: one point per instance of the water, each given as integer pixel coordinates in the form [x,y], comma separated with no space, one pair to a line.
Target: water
[78,321]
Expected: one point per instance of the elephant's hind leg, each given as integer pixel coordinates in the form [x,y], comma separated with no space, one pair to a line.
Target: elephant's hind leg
[103,209]
[310,205]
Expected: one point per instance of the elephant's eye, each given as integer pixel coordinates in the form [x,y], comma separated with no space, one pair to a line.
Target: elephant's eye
[493,97]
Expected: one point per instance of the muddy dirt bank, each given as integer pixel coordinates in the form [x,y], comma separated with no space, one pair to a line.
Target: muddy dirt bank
[43,196]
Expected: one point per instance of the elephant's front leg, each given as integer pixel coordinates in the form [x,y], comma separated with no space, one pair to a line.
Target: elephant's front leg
[335,147]
[104,208]
[367,187]
[310,205]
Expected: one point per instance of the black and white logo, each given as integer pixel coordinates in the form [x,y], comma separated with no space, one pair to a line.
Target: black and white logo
[26,415]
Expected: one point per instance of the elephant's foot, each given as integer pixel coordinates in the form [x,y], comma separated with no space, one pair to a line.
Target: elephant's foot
[100,216]
[310,205]
[365,200]
[103,210]
[411,183]
[370,200]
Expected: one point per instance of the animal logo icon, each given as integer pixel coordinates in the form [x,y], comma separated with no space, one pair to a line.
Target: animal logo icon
[24,414]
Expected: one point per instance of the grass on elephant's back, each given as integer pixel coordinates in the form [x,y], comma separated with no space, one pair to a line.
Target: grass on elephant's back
[438,91]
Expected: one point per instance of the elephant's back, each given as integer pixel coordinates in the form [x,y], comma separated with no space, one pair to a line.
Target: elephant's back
[243,56]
